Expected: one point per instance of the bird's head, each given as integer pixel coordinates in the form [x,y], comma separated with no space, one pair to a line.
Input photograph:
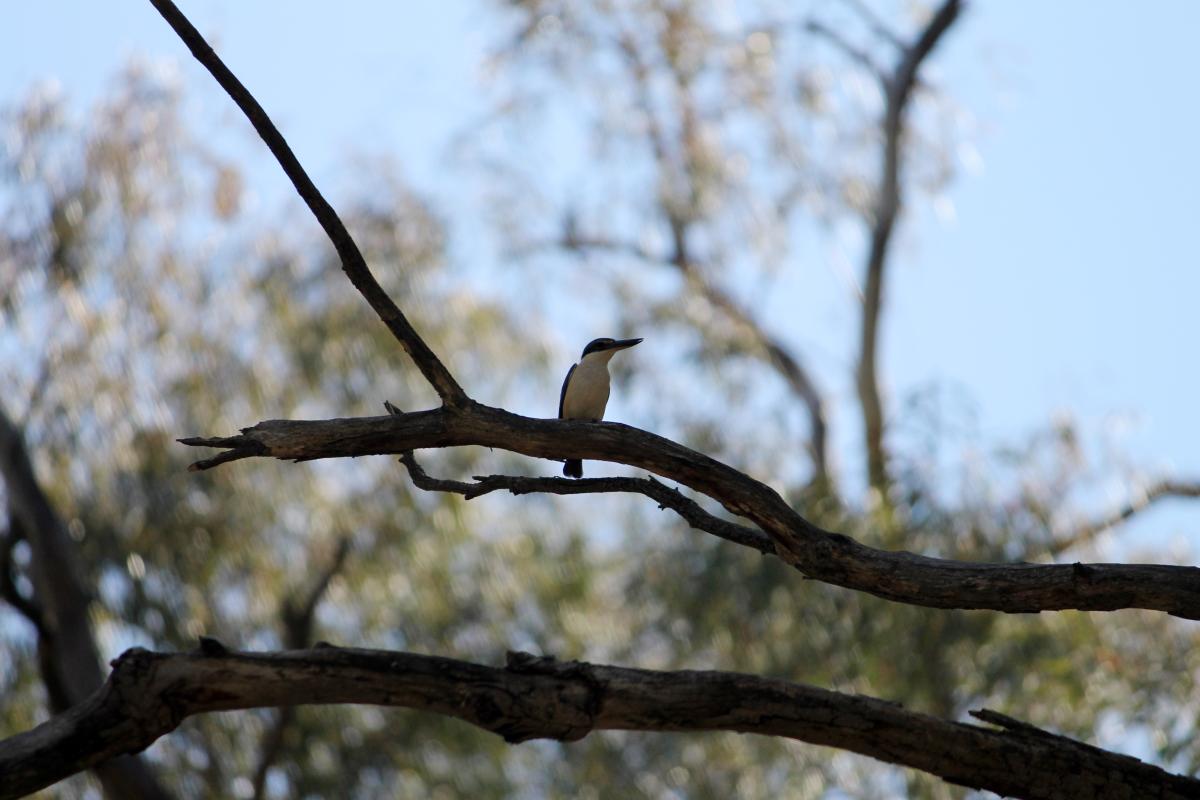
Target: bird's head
[607,345]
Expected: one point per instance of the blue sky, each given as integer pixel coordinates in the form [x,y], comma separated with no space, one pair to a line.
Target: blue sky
[1065,280]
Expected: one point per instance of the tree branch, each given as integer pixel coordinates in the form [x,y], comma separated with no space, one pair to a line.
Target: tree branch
[353,263]
[68,658]
[149,694]
[821,555]
[297,634]
[897,90]
[665,496]
[1144,499]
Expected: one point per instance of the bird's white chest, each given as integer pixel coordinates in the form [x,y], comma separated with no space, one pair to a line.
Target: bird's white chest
[587,391]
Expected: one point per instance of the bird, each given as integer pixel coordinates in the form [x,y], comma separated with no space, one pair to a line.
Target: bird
[585,390]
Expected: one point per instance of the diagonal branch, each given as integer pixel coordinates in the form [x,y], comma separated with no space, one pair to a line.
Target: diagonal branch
[353,263]
[818,554]
[1147,497]
[897,91]
[149,694]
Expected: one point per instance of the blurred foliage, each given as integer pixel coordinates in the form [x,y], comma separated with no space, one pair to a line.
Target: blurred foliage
[142,301]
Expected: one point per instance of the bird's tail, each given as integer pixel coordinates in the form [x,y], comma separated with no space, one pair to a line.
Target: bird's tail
[573,468]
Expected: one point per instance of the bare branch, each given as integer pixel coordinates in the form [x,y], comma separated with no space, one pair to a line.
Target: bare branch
[353,263]
[818,554]
[688,509]
[898,88]
[1144,499]
[149,694]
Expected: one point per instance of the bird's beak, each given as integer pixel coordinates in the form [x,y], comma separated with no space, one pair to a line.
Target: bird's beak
[621,344]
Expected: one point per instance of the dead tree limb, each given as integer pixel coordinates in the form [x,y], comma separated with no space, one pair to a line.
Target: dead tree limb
[818,554]
[149,694]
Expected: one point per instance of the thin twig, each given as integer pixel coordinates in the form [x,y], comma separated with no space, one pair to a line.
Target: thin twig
[665,496]
[1147,497]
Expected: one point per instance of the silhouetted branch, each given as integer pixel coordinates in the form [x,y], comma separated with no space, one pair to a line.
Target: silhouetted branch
[665,496]
[353,263]
[818,554]
[149,694]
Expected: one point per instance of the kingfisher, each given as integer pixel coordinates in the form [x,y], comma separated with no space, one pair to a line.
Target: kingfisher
[585,391]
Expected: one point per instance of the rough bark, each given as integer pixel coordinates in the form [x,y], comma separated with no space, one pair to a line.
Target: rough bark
[149,694]
[819,554]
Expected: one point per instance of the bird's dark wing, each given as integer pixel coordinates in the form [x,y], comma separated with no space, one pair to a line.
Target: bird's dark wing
[562,396]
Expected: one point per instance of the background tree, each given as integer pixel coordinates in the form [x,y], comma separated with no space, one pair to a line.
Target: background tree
[123,228]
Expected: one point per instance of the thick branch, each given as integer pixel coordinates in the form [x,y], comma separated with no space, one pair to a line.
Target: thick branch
[897,91]
[353,263]
[818,554]
[149,694]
